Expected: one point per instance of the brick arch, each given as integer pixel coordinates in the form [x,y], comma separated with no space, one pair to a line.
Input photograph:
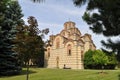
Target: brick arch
[68,42]
[58,41]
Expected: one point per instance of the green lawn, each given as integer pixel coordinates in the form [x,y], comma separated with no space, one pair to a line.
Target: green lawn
[60,74]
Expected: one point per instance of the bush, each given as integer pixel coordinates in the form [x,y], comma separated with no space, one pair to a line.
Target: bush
[97,59]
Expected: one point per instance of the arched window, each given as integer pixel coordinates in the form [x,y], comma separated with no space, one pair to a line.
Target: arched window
[57,43]
[69,50]
[48,52]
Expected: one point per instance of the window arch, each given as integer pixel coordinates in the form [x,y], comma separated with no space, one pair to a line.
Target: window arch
[69,50]
[57,43]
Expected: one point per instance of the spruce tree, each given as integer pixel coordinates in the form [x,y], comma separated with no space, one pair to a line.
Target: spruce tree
[10,17]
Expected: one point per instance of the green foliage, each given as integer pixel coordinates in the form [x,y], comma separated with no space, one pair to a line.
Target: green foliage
[104,20]
[97,58]
[10,17]
[28,41]
[88,60]
[79,2]
[39,59]
[112,59]
[100,57]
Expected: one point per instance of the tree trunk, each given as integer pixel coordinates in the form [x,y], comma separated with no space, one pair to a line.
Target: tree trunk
[27,72]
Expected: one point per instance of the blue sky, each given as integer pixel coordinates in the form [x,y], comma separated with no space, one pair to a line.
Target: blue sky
[53,14]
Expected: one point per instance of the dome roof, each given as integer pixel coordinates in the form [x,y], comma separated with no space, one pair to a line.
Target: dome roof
[69,24]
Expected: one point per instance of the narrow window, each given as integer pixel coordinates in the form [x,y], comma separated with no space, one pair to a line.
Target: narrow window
[69,50]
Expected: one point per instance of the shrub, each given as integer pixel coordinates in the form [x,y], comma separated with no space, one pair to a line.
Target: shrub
[97,59]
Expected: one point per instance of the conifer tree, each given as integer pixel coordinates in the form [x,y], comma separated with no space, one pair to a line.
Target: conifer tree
[105,20]
[10,17]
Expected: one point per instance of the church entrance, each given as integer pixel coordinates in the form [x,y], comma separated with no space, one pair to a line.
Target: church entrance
[57,62]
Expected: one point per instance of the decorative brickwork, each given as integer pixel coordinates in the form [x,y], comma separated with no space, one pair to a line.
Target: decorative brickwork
[66,49]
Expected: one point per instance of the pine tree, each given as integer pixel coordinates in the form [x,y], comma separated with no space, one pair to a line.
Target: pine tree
[10,17]
[105,21]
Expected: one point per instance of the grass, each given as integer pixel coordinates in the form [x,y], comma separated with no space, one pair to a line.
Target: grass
[65,74]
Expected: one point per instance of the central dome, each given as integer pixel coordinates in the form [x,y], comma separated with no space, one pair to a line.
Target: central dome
[69,24]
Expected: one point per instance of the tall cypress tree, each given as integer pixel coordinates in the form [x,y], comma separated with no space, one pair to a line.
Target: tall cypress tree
[10,17]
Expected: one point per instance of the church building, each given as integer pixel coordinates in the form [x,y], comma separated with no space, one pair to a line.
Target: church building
[67,48]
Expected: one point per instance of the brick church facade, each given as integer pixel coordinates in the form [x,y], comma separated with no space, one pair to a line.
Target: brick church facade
[67,48]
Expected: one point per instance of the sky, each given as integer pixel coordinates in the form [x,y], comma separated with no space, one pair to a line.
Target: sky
[53,14]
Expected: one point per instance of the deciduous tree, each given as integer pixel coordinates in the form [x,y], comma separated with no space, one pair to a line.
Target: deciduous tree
[29,41]
[98,59]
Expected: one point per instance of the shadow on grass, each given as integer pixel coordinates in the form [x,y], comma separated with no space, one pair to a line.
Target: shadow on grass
[23,72]
[119,77]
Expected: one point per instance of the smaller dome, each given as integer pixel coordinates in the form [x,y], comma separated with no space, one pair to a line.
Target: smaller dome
[69,24]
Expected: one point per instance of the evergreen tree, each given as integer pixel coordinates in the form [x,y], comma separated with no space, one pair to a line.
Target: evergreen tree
[105,20]
[10,17]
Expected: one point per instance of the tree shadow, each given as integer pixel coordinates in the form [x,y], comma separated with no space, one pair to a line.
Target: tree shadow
[23,72]
[119,77]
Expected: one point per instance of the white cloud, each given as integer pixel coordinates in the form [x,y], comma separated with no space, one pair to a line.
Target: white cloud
[52,16]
